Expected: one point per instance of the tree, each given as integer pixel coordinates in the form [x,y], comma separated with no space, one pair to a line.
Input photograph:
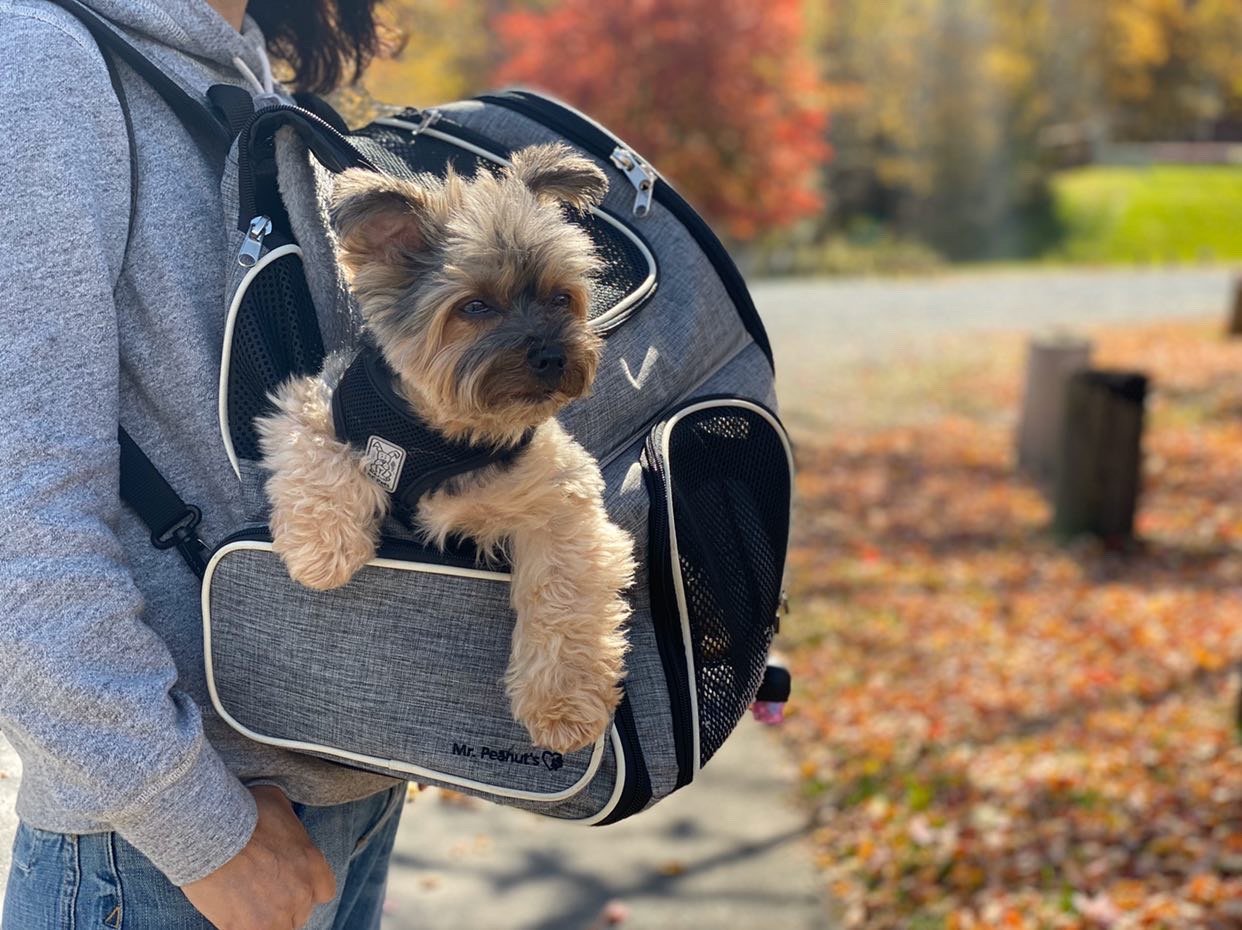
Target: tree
[721,95]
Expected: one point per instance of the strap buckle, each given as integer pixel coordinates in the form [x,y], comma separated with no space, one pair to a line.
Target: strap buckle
[181,534]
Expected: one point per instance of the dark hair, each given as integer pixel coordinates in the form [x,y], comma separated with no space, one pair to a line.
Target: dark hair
[324,42]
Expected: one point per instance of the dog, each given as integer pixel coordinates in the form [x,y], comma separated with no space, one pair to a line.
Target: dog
[475,292]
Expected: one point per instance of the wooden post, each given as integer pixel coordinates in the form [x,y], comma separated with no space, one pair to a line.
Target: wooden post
[1234,327]
[1049,363]
[1097,486]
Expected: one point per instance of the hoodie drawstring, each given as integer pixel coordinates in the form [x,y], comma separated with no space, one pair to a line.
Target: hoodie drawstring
[265,89]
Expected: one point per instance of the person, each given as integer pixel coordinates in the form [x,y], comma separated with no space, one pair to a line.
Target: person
[139,808]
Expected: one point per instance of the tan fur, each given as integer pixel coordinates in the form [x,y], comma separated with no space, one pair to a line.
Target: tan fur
[416,253]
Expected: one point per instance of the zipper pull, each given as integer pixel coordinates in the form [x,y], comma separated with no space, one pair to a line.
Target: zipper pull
[252,245]
[426,119]
[782,609]
[641,175]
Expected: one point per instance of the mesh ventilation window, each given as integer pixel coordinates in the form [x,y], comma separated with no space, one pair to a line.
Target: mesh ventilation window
[396,152]
[731,495]
[275,336]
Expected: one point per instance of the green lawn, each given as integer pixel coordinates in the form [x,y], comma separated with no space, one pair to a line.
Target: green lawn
[1164,213]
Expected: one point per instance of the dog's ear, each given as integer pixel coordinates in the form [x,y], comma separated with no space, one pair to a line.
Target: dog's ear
[555,171]
[380,219]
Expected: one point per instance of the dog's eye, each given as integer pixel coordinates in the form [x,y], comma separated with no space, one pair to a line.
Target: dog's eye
[561,299]
[475,307]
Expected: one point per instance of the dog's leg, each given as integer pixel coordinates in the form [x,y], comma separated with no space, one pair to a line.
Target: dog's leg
[326,511]
[570,567]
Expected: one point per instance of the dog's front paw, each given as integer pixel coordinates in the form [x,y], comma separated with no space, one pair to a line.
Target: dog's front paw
[576,725]
[326,555]
[566,710]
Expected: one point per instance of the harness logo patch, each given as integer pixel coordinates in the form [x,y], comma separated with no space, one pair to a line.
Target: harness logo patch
[384,462]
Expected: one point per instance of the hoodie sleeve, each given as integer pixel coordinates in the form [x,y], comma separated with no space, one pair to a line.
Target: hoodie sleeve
[88,692]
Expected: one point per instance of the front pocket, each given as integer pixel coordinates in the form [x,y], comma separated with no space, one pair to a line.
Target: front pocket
[719,473]
[400,671]
[271,333]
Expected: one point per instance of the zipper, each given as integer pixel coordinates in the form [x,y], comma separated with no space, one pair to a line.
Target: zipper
[589,135]
[345,155]
[640,174]
[399,550]
[414,122]
[637,790]
[252,246]
[664,615]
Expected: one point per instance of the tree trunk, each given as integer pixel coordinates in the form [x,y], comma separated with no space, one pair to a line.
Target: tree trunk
[1235,316]
[1098,479]
[1050,362]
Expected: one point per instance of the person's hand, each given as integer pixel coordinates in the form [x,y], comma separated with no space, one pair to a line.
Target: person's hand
[274,882]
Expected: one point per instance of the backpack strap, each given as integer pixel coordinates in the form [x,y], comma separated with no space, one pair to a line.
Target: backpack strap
[192,112]
[172,522]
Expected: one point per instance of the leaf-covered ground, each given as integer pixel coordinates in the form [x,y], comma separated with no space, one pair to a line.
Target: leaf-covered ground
[998,731]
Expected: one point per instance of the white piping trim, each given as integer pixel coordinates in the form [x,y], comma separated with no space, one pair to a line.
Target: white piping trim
[618,786]
[222,393]
[396,765]
[675,558]
[620,307]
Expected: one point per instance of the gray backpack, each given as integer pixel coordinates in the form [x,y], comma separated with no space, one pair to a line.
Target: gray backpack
[401,670]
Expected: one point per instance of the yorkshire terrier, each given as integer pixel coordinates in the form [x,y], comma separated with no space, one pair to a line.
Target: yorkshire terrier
[475,292]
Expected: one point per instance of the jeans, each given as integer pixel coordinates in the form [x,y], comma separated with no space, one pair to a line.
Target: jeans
[97,880]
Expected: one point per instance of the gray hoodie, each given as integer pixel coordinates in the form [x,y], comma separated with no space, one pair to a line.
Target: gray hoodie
[102,690]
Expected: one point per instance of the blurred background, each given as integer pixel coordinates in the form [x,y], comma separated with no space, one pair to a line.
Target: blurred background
[1016,590]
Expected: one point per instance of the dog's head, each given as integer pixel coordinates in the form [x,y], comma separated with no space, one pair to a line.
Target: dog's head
[476,290]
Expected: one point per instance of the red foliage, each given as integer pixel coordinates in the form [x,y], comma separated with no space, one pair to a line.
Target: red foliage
[721,95]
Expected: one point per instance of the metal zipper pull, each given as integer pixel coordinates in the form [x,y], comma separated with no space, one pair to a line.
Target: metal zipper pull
[252,245]
[426,119]
[641,175]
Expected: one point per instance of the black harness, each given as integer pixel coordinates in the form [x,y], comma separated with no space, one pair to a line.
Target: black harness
[403,454]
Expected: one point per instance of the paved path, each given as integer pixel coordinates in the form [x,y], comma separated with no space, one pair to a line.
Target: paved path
[727,852]
[820,329]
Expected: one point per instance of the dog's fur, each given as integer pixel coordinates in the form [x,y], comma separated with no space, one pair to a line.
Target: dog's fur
[416,254]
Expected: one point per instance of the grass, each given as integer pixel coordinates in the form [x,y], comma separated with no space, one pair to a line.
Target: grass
[1162,213]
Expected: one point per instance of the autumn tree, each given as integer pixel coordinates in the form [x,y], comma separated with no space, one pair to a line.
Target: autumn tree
[721,95]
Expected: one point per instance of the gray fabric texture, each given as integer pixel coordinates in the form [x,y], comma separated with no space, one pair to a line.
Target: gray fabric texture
[404,680]
[102,691]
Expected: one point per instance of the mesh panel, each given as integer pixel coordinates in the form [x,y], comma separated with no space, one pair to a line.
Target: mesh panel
[275,336]
[399,153]
[731,498]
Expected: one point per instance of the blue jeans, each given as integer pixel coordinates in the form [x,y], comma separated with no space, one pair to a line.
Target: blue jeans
[97,880]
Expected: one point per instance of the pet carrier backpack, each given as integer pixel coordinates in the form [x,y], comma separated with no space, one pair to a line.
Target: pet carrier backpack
[401,670]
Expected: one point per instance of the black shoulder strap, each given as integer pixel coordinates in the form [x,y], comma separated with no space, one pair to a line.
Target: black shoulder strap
[172,522]
[192,112]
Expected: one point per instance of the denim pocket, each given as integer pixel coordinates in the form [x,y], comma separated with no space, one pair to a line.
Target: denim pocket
[33,846]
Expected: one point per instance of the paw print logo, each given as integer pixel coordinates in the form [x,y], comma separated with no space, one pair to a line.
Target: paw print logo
[384,461]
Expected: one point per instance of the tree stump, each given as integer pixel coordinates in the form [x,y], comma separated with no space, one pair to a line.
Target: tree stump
[1235,316]
[1098,477]
[1050,361]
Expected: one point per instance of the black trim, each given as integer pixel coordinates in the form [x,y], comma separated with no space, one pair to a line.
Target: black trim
[589,135]
[636,793]
[461,553]
[665,617]
[256,155]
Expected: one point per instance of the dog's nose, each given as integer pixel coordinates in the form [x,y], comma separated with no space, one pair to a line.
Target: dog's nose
[547,361]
